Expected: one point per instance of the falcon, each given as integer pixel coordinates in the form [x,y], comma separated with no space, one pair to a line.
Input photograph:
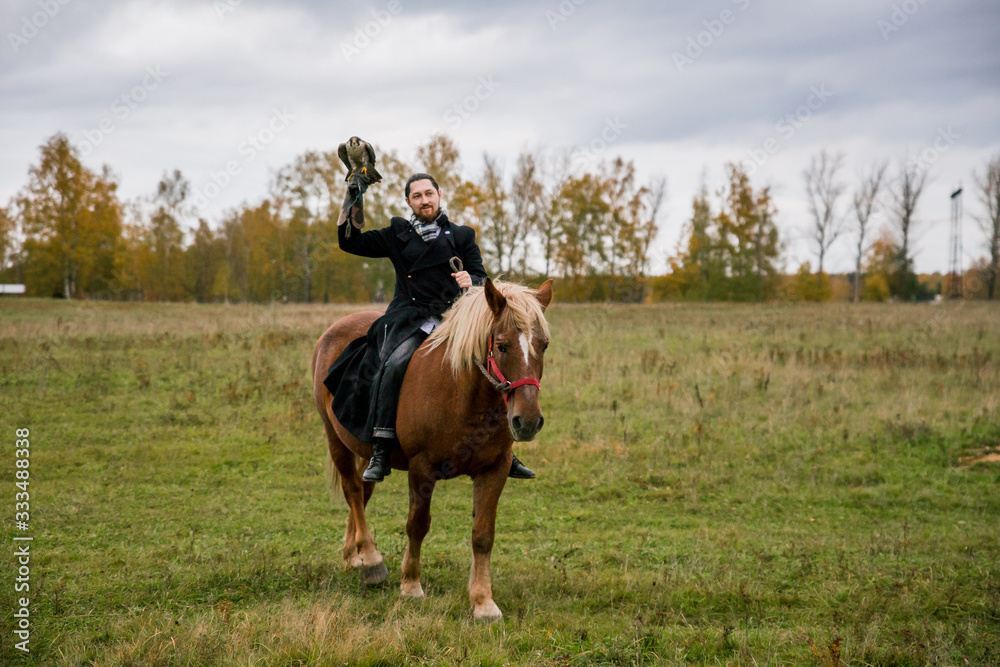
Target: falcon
[359,158]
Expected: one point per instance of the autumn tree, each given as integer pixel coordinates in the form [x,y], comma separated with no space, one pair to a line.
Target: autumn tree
[499,238]
[696,269]
[630,228]
[823,190]
[731,255]
[204,259]
[555,169]
[166,235]
[748,238]
[467,206]
[865,198]
[71,221]
[439,157]
[910,184]
[7,239]
[387,199]
[989,194]
[881,266]
[527,196]
[306,197]
[581,218]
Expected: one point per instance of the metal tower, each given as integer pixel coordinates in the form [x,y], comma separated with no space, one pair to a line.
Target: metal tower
[955,288]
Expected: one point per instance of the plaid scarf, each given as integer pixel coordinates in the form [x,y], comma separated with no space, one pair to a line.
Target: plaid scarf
[428,230]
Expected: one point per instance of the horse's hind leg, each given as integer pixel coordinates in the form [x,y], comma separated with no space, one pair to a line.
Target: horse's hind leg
[351,558]
[359,545]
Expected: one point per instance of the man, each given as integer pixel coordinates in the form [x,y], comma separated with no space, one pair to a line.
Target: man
[366,378]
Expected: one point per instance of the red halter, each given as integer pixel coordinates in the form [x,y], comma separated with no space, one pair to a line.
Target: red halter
[504,386]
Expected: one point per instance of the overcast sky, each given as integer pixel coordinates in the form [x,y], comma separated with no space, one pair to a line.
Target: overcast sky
[680,88]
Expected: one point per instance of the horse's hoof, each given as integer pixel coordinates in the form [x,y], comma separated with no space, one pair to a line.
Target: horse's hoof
[374,574]
[412,590]
[488,612]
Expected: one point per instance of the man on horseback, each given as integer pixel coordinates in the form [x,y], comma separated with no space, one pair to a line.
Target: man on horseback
[366,378]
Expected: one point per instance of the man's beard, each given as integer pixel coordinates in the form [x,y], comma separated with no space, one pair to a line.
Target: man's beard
[423,216]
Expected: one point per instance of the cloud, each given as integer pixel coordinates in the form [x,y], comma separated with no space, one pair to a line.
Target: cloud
[557,83]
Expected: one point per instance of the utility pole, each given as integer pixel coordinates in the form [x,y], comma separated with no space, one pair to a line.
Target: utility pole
[955,288]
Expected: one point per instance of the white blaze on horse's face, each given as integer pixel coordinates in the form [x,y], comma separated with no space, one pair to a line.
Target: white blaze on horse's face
[522,357]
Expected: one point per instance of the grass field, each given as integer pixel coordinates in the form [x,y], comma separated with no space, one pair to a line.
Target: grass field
[718,484]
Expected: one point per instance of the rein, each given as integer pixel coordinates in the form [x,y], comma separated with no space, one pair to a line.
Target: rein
[503,385]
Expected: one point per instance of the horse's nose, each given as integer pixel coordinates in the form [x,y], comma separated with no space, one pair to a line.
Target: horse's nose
[525,429]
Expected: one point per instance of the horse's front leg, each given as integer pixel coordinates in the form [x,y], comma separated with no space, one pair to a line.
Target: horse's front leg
[417,524]
[486,490]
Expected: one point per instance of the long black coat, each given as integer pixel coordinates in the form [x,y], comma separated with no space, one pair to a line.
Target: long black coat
[424,288]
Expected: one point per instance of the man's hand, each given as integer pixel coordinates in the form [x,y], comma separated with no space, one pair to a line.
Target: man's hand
[354,205]
[463,278]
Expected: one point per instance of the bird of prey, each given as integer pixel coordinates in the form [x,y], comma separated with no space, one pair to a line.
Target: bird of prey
[359,158]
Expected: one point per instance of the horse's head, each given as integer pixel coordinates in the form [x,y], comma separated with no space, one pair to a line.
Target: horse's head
[518,351]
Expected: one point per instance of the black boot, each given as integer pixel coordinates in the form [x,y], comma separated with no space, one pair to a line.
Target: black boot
[378,468]
[519,471]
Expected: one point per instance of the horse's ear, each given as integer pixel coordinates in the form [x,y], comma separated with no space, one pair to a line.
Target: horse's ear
[497,301]
[544,294]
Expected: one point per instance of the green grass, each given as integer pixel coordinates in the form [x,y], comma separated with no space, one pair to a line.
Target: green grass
[754,485]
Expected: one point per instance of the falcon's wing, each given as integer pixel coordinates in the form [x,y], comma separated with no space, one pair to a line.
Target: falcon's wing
[342,153]
[371,153]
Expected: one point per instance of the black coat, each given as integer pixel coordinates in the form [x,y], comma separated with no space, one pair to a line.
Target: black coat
[424,288]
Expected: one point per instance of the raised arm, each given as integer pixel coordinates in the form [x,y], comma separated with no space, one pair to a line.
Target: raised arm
[374,243]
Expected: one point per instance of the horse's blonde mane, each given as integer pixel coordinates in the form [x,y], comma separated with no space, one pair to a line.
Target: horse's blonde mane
[466,326]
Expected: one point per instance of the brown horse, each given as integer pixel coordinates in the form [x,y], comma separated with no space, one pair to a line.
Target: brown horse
[455,417]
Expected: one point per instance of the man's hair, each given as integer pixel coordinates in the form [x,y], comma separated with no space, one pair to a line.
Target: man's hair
[420,177]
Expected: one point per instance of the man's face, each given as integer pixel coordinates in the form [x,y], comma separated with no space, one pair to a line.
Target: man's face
[424,199]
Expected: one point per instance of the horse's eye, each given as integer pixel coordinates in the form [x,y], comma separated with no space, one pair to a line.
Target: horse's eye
[545,346]
[502,347]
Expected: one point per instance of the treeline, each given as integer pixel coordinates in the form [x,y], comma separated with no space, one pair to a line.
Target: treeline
[67,233]
[731,252]
[588,224]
